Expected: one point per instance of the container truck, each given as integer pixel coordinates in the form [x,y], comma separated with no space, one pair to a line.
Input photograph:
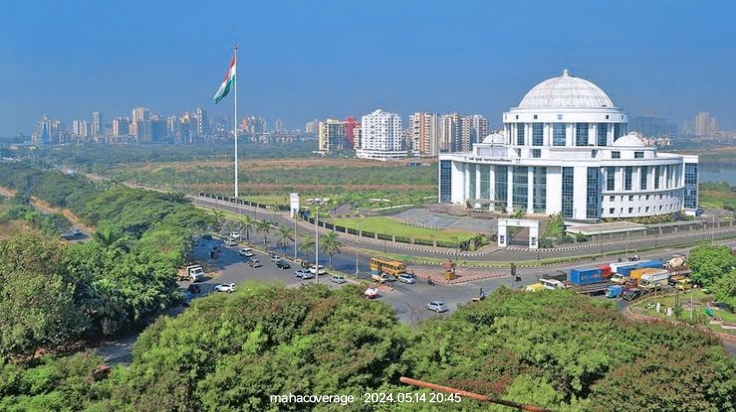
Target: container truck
[654,280]
[590,281]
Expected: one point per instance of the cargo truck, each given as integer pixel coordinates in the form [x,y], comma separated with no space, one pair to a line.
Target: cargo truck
[623,270]
[590,281]
[193,273]
[654,280]
[614,291]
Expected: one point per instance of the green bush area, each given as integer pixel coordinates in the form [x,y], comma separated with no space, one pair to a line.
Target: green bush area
[265,340]
[53,293]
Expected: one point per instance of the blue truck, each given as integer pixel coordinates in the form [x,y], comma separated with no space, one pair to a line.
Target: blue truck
[590,281]
[614,291]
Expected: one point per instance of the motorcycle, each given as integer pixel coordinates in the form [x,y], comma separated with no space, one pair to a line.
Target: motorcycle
[430,281]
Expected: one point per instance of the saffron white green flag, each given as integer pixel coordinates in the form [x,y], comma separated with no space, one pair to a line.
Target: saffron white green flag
[227,84]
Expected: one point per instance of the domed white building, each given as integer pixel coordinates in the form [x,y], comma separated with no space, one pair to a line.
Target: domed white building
[565,148]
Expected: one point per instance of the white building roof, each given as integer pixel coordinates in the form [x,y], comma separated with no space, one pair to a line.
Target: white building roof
[565,92]
[494,138]
[630,140]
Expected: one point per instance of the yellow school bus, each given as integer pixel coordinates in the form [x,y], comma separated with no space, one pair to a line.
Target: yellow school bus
[388,266]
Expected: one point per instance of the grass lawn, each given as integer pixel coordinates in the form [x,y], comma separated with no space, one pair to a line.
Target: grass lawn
[381,224]
[646,307]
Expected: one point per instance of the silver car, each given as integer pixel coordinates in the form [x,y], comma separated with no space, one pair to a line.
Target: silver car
[437,306]
[407,278]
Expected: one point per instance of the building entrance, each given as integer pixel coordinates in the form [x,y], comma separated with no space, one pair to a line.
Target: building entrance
[533,225]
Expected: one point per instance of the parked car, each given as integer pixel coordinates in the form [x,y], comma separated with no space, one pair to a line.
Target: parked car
[76,232]
[246,252]
[407,278]
[231,242]
[304,274]
[282,264]
[254,263]
[338,279]
[632,294]
[225,287]
[275,258]
[437,306]
[322,270]
[235,235]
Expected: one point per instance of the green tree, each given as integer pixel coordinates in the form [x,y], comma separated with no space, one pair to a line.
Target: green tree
[219,220]
[330,244]
[725,289]
[709,263]
[37,305]
[284,236]
[247,224]
[265,227]
[306,244]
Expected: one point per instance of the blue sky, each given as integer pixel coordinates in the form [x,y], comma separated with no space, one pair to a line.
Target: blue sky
[301,60]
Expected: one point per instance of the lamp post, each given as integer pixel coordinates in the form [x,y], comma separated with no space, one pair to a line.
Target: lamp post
[316,247]
[296,217]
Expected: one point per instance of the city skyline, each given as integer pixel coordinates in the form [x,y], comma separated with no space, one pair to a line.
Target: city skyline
[295,68]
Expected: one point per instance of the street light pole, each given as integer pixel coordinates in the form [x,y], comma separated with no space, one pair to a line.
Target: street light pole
[296,216]
[316,247]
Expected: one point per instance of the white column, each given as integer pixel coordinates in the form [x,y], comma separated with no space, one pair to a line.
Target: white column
[510,189]
[530,190]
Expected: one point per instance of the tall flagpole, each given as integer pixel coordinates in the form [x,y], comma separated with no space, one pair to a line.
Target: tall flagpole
[235,100]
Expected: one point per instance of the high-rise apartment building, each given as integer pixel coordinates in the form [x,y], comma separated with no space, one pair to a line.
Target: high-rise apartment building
[80,129]
[203,123]
[459,133]
[138,114]
[652,126]
[97,125]
[480,129]
[425,130]
[278,125]
[312,127]
[331,136]
[450,137]
[704,124]
[381,136]
[120,127]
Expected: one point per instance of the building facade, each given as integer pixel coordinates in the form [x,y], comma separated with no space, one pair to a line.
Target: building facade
[565,149]
[381,137]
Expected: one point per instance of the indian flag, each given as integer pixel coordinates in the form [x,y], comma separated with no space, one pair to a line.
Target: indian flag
[227,84]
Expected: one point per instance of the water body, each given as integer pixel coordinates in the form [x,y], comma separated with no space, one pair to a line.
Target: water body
[728,176]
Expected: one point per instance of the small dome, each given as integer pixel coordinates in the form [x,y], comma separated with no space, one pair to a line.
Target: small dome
[495,138]
[565,91]
[630,140]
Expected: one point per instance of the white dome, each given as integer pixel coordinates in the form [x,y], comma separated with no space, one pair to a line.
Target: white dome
[630,140]
[565,91]
[495,138]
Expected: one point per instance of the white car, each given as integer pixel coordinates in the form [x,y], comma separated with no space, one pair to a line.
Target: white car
[437,306]
[246,252]
[235,235]
[338,279]
[231,242]
[225,287]
[322,270]
[407,278]
[304,274]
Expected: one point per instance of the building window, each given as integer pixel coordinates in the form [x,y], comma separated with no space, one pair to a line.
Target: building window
[471,182]
[618,131]
[568,191]
[501,187]
[615,155]
[445,181]
[612,198]
[593,194]
[657,172]
[628,172]
[536,153]
[537,134]
[611,211]
[631,198]
[520,134]
[631,210]
[638,155]
[539,202]
[559,117]
[643,177]
[558,134]
[485,181]
[520,188]
[602,134]
[535,117]
[611,179]
[691,186]
[581,134]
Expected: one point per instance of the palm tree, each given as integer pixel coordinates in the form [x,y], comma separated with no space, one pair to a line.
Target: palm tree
[264,226]
[111,239]
[247,225]
[219,220]
[306,244]
[285,235]
[329,244]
